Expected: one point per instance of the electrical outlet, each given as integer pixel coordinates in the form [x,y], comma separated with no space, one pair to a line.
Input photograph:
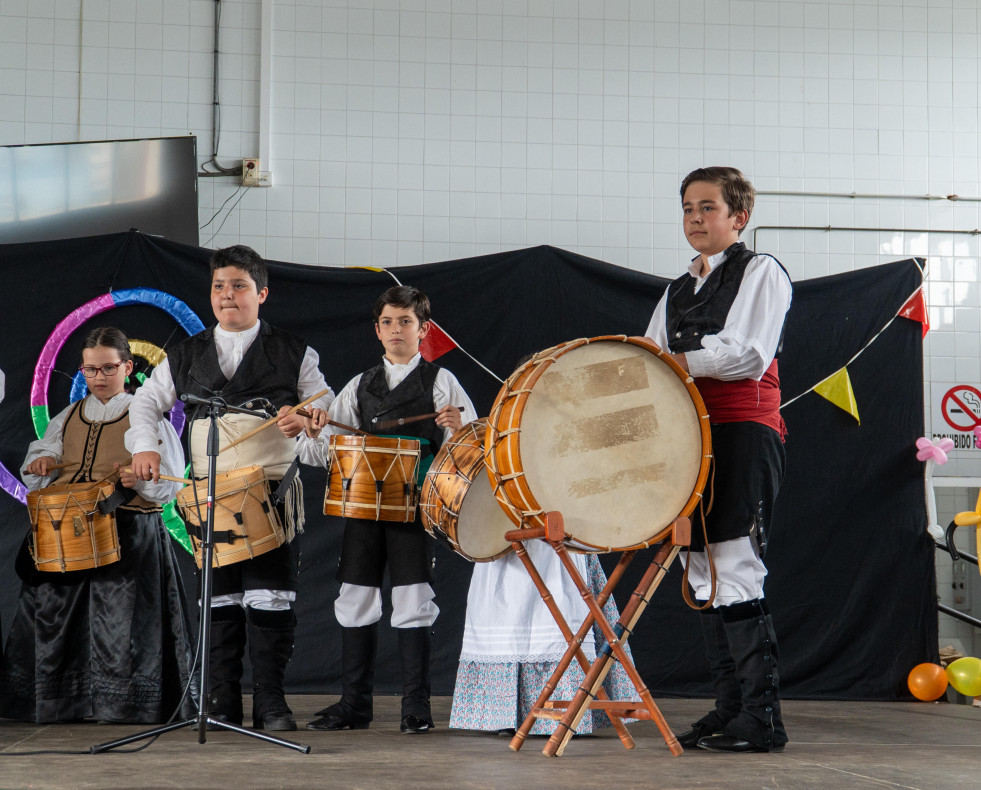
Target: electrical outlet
[265,179]
[250,172]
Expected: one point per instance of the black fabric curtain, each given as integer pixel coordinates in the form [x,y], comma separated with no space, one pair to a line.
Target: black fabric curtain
[852,583]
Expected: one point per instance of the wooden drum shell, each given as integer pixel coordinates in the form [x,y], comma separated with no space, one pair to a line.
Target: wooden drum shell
[240,494]
[381,474]
[68,532]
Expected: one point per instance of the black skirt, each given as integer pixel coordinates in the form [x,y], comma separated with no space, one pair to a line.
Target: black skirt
[111,643]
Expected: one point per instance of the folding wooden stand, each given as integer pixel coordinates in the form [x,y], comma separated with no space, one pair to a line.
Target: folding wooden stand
[590,695]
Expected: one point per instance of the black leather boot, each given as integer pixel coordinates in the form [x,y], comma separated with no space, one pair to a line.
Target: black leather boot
[753,645]
[354,710]
[270,650]
[724,682]
[414,648]
[225,663]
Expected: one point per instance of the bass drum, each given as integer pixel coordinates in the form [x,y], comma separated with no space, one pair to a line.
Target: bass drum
[608,431]
[457,503]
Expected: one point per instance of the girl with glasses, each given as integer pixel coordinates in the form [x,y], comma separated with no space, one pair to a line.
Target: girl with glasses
[108,643]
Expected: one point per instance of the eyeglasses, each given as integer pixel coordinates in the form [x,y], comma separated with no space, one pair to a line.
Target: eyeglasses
[106,370]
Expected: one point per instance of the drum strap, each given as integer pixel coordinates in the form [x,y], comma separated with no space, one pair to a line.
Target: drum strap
[284,485]
[119,496]
[708,550]
[220,535]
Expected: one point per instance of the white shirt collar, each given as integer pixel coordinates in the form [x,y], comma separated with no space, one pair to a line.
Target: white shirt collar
[408,366]
[695,267]
[245,337]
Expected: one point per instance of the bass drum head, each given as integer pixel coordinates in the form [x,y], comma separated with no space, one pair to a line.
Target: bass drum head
[482,522]
[610,437]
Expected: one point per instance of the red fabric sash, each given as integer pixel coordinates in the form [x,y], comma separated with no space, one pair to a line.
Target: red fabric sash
[745,400]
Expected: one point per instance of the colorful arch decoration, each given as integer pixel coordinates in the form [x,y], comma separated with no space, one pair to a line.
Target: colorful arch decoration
[174,307]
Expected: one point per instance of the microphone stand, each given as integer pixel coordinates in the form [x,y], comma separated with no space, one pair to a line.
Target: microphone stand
[204,719]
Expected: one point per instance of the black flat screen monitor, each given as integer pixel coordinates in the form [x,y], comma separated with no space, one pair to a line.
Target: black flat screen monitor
[67,190]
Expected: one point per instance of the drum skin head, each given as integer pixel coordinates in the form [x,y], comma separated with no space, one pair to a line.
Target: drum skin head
[610,437]
[457,499]
[482,522]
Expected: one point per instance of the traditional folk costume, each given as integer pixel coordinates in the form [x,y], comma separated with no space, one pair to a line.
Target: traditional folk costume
[729,324]
[261,367]
[387,391]
[110,643]
[512,644]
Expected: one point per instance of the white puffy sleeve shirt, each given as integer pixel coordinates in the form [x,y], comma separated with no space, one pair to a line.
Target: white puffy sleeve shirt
[747,344]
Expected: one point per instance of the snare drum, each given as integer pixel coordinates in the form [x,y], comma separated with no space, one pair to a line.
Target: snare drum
[372,477]
[68,531]
[247,522]
[608,431]
[457,503]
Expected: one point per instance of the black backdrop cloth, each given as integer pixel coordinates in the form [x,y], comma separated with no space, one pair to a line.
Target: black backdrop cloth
[852,584]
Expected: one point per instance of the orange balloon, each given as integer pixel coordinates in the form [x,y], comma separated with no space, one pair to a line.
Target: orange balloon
[927,681]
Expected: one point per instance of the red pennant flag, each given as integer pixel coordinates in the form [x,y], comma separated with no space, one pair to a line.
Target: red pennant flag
[915,309]
[435,343]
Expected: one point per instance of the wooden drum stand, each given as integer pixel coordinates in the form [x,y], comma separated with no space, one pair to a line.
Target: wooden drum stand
[590,695]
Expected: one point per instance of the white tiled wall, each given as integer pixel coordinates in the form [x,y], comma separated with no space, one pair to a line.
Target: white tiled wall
[408,131]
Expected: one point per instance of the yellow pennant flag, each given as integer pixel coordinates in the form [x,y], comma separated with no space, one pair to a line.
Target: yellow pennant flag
[837,388]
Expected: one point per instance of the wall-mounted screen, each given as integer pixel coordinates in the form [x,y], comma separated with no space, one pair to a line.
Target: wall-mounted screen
[66,190]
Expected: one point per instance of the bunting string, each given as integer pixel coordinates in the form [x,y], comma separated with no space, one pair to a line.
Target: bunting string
[439,348]
[837,387]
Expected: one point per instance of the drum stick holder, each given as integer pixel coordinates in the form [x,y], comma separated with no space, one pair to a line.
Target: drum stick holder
[590,695]
[203,719]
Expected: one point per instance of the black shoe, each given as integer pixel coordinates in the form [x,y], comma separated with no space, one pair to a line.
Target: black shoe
[414,724]
[729,743]
[281,721]
[333,721]
[690,739]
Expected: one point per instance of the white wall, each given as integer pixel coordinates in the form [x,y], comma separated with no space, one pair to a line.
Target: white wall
[418,130]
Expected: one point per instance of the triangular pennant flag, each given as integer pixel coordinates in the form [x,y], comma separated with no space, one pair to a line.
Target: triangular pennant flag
[915,309]
[435,343]
[837,388]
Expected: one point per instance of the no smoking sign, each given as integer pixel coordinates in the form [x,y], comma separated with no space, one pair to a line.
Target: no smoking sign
[961,407]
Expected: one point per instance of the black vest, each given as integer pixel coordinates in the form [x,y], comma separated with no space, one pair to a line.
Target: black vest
[269,369]
[691,316]
[414,395]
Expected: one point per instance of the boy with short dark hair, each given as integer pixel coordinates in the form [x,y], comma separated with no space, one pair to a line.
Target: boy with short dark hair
[254,365]
[723,322]
[403,385]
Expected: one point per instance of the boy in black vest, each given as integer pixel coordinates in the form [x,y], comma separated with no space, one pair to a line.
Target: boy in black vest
[722,322]
[254,365]
[403,385]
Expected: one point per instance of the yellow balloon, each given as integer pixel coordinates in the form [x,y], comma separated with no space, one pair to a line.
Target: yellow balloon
[964,675]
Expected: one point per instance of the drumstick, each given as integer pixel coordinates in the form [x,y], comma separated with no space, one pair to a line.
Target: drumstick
[385,424]
[62,466]
[183,480]
[350,428]
[274,420]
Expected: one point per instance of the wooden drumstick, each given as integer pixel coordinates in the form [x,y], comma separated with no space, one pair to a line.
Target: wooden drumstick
[172,479]
[350,428]
[273,420]
[62,466]
[385,424]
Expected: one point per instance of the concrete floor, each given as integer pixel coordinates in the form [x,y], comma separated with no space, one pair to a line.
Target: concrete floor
[833,745]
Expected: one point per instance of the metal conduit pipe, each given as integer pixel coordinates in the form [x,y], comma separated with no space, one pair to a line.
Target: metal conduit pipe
[829,228]
[867,196]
